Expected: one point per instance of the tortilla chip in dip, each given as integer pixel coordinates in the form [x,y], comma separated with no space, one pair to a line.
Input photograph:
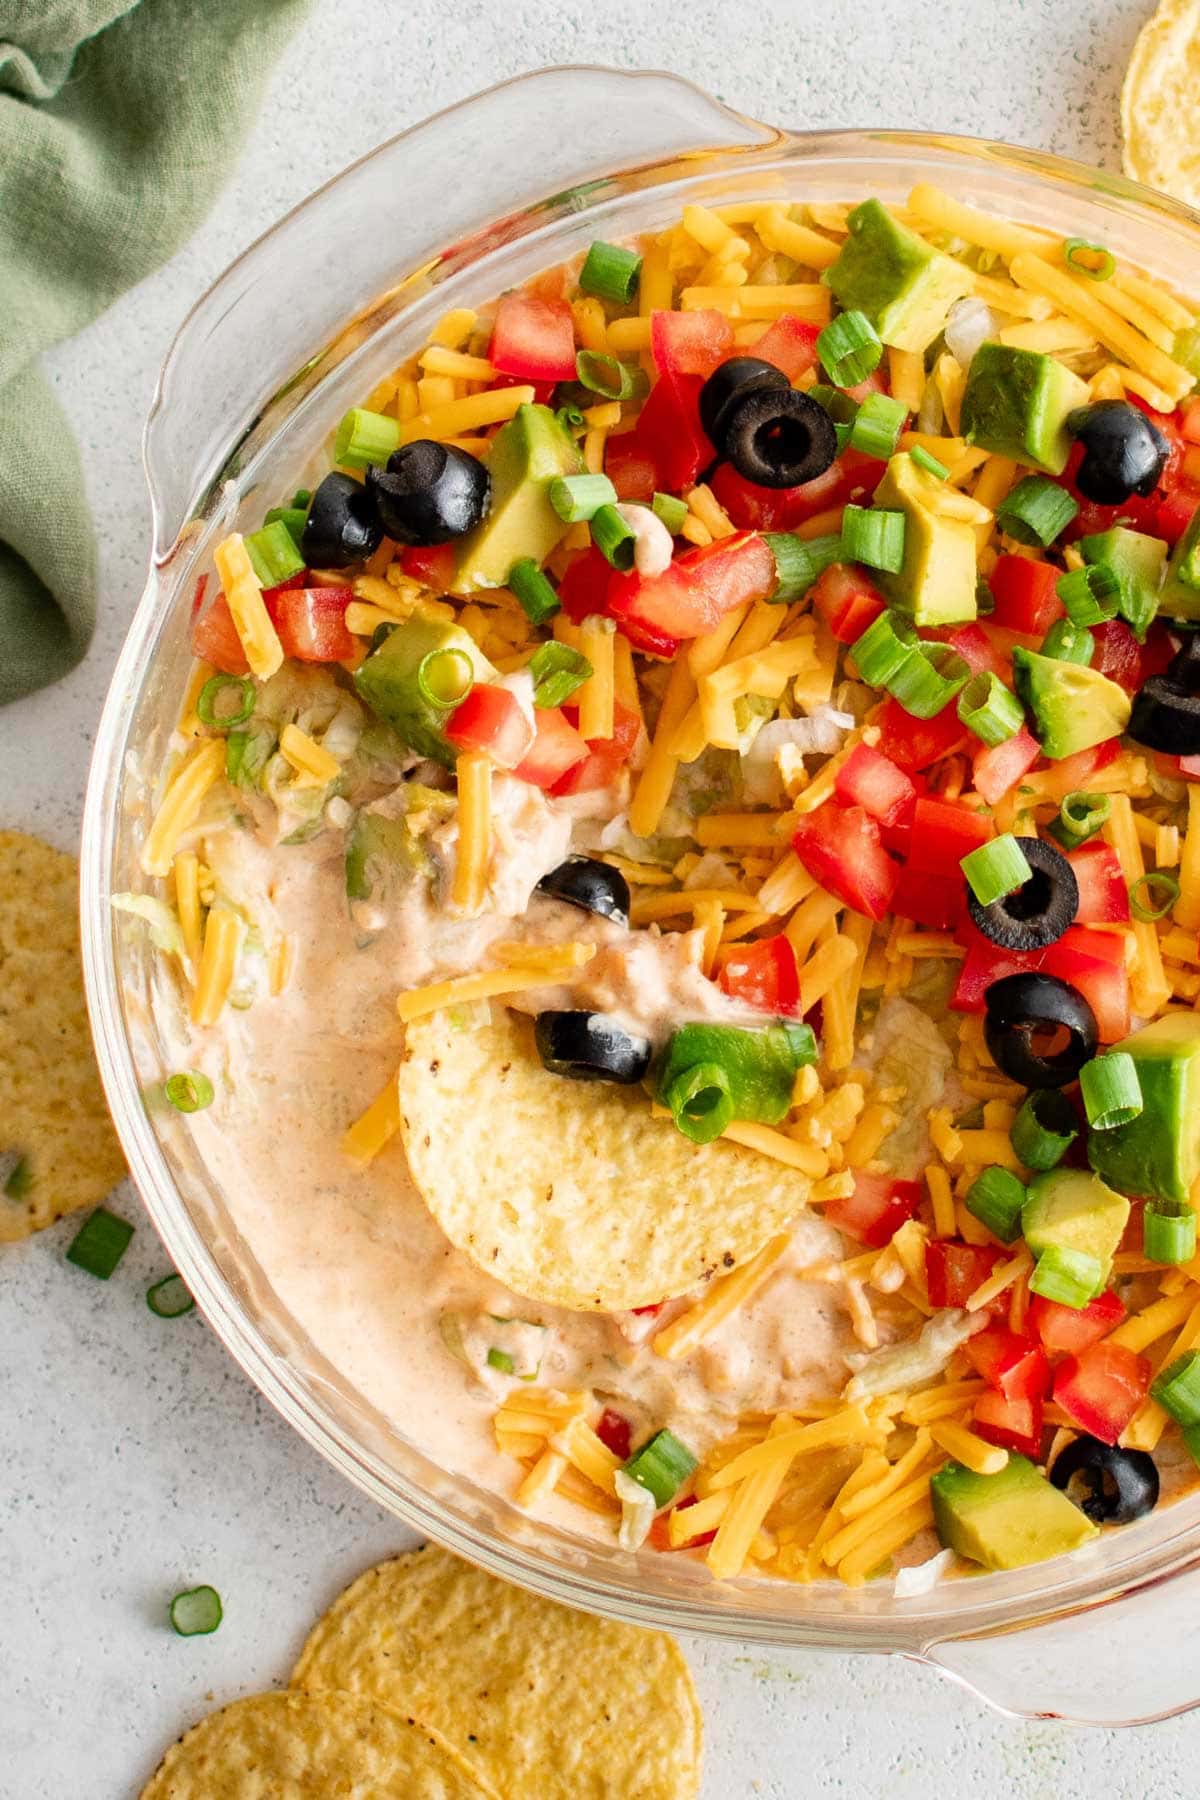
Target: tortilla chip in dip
[1158,102]
[294,1746]
[53,1118]
[569,1193]
[550,1704]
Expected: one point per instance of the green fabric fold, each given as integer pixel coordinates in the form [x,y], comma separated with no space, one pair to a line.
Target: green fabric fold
[118,125]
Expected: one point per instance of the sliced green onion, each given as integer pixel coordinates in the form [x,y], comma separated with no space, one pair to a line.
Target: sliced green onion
[1044,1129]
[995,1198]
[929,680]
[1071,1277]
[170,1298]
[611,272]
[883,649]
[1177,1388]
[841,407]
[1152,896]
[557,671]
[701,1102]
[604,374]
[1091,594]
[18,1183]
[223,689]
[850,349]
[577,498]
[1067,642]
[196,1611]
[798,562]
[1035,511]
[273,554]
[301,500]
[929,463]
[989,709]
[1168,1231]
[1092,260]
[671,510]
[364,438]
[534,590]
[292,518]
[100,1243]
[189,1091]
[571,419]
[444,677]
[874,536]
[1112,1093]
[841,437]
[1080,817]
[247,754]
[996,868]
[502,1360]
[661,1466]
[877,426]
[614,537]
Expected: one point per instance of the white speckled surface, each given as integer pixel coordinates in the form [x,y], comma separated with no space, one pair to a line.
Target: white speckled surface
[136,1458]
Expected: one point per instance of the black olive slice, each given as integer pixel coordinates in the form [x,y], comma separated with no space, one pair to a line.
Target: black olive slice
[589,1046]
[1166,717]
[1025,1015]
[1123,452]
[429,493]
[779,439]
[342,526]
[1112,1486]
[730,382]
[586,882]
[1038,913]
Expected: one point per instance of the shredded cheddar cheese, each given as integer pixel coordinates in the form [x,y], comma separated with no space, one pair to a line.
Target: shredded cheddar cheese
[557,963]
[243,596]
[181,805]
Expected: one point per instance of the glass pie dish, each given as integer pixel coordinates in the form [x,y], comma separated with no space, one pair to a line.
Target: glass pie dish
[248,394]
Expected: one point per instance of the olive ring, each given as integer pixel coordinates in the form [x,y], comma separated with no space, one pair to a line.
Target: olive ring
[1019,1008]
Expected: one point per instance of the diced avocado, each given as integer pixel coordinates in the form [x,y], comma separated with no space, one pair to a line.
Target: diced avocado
[904,287]
[1073,707]
[388,682]
[1158,1153]
[1180,596]
[1137,561]
[1016,403]
[1006,1520]
[526,455]
[935,584]
[382,852]
[1068,1209]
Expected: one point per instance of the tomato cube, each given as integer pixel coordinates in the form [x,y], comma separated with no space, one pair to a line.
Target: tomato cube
[694,592]
[215,640]
[533,339]
[840,846]
[311,623]
[1012,1424]
[869,780]
[689,343]
[851,477]
[847,600]
[1010,1362]
[929,900]
[998,768]
[763,975]
[790,344]
[430,564]
[630,467]
[876,1210]
[944,831]
[555,751]
[916,743]
[1023,591]
[1102,1388]
[605,757]
[1067,1330]
[669,431]
[1117,654]
[953,1270]
[1103,894]
[490,719]
[615,1432]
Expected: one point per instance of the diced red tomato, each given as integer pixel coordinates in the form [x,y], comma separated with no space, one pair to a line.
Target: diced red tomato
[1102,1388]
[584,587]
[847,600]
[984,963]
[944,831]
[1104,986]
[490,719]
[311,623]
[430,564]
[1097,970]
[615,1433]
[543,391]
[695,592]
[1015,1365]
[869,780]
[1024,594]
[1173,513]
[953,1270]
[533,339]
[916,743]
[1155,655]
[764,975]
[840,846]
[659,1536]
[1108,946]
[929,900]
[782,509]
[605,758]
[790,344]
[215,640]
[1103,895]
[1069,1330]
[1012,1424]
[630,467]
[1077,770]
[980,652]
[876,1210]
[1117,654]
[689,343]
[670,434]
[556,749]
[999,767]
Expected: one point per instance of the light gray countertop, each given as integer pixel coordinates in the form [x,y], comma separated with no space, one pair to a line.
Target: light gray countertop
[136,1457]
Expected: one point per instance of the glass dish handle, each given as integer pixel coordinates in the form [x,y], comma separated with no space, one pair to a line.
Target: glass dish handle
[495,165]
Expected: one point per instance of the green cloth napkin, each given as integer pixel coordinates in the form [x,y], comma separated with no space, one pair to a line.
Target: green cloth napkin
[118,124]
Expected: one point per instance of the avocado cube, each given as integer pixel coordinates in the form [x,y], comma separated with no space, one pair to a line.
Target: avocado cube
[1016,403]
[526,455]
[389,681]
[1007,1520]
[1137,561]
[1180,596]
[383,851]
[1073,707]
[1158,1153]
[903,286]
[1068,1209]
[935,584]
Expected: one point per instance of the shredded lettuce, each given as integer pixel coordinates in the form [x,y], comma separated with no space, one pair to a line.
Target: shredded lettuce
[160,919]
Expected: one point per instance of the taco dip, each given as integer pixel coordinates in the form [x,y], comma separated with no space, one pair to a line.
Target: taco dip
[678,868]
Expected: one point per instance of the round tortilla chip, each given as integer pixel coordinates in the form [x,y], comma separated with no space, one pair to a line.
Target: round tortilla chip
[550,1704]
[53,1115]
[1158,102]
[295,1746]
[569,1192]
